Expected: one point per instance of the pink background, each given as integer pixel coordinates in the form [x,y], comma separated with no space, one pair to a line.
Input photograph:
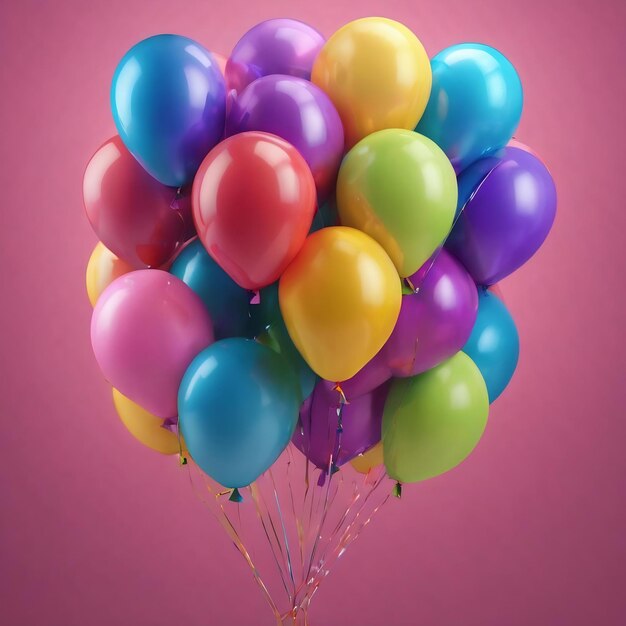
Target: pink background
[95,530]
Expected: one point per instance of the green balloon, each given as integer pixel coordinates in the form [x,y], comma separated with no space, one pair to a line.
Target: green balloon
[432,421]
[400,188]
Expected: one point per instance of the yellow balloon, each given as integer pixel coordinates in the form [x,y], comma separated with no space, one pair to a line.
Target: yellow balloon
[340,299]
[145,427]
[377,74]
[368,460]
[103,268]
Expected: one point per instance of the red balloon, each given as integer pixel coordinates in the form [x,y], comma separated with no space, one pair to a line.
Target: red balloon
[136,217]
[253,202]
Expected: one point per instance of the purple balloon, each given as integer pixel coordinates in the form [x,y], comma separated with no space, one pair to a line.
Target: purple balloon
[278,46]
[507,216]
[299,112]
[433,325]
[316,433]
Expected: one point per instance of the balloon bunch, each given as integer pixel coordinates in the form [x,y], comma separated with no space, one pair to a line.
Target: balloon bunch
[298,244]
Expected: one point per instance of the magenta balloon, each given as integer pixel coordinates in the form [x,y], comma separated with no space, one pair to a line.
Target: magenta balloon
[433,325]
[278,46]
[300,113]
[507,216]
[316,433]
[146,329]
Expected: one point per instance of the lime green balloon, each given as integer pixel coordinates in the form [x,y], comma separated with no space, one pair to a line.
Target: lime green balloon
[400,188]
[434,420]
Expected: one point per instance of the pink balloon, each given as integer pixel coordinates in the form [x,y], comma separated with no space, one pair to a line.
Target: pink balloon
[136,217]
[146,329]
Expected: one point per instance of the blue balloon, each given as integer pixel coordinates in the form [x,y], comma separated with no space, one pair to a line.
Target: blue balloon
[475,103]
[226,301]
[494,343]
[237,407]
[269,328]
[168,99]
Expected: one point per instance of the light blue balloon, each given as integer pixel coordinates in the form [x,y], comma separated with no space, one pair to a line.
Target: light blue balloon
[168,100]
[237,409]
[494,343]
[226,301]
[475,103]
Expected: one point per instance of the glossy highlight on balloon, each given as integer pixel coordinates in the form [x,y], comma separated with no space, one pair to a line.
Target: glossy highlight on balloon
[435,322]
[102,269]
[238,407]
[377,74]
[494,343]
[146,328]
[140,220]
[399,188]
[253,203]
[475,104]
[300,113]
[492,243]
[168,99]
[340,300]
[276,46]
[434,420]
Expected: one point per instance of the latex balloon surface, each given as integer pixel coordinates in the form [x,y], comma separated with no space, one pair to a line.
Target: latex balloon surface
[102,269]
[146,328]
[277,46]
[494,343]
[168,100]
[238,407]
[146,428]
[377,74]
[253,203]
[140,220]
[475,104]
[434,420]
[398,187]
[340,300]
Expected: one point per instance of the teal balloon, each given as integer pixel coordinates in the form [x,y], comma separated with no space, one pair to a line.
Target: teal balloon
[326,215]
[475,102]
[269,328]
[494,343]
[237,408]
[168,100]
[227,303]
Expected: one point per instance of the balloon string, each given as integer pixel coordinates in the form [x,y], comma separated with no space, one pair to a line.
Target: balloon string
[257,496]
[331,472]
[348,537]
[224,521]
[282,523]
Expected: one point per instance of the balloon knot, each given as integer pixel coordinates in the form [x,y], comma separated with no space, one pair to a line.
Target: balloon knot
[397,490]
[256,297]
[235,496]
[334,468]
[182,459]
[342,395]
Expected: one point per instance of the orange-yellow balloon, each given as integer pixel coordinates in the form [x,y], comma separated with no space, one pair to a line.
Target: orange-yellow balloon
[377,74]
[340,299]
[145,427]
[103,268]
[368,460]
